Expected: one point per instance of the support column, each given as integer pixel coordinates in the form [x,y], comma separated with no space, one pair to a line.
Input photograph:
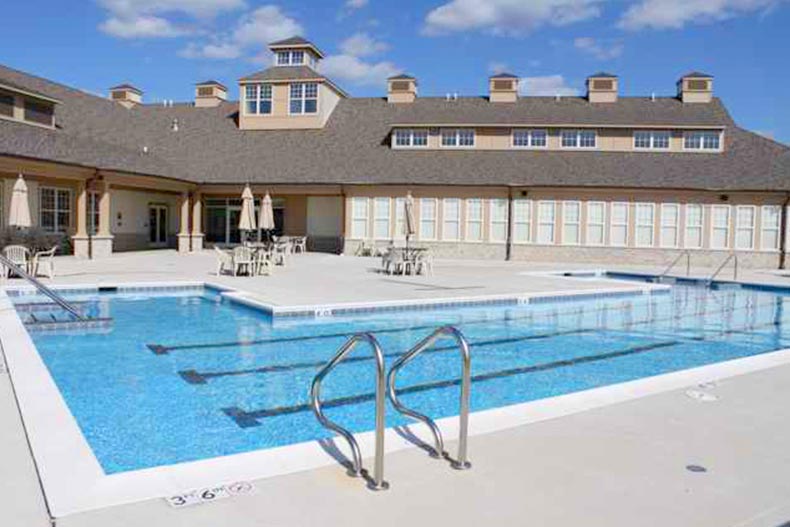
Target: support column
[102,241]
[80,241]
[183,216]
[197,222]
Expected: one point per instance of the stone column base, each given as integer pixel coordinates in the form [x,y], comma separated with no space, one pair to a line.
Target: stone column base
[183,243]
[101,246]
[197,242]
[81,246]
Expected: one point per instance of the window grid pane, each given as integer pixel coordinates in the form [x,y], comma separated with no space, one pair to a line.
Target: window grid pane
[474,219]
[427,219]
[595,223]
[522,220]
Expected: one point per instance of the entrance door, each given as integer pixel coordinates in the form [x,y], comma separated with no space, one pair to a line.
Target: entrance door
[157,225]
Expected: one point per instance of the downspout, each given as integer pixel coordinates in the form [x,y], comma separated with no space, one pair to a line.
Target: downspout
[88,188]
[509,242]
[783,232]
[342,248]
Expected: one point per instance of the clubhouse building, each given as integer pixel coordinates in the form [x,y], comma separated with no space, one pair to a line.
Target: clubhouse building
[600,177]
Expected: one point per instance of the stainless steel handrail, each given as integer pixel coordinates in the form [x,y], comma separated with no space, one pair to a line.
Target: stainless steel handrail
[42,288]
[731,256]
[461,462]
[685,253]
[378,482]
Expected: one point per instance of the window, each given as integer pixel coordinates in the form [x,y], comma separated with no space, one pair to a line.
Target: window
[93,212]
[693,226]
[546,216]
[571,222]
[6,104]
[290,58]
[258,98]
[522,220]
[400,218]
[403,138]
[720,227]
[460,137]
[451,214]
[618,233]
[304,98]
[596,222]
[359,218]
[651,140]
[702,140]
[474,220]
[529,138]
[578,138]
[498,220]
[771,218]
[54,209]
[381,218]
[670,221]
[427,219]
[645,216]
[39,113]
[745,221]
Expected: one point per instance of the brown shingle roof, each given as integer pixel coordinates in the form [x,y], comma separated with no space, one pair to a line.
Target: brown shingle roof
[281,73]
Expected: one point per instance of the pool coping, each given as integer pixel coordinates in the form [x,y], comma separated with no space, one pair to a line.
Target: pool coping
[74,481]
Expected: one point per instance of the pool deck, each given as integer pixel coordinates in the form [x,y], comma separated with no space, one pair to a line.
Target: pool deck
[621,464]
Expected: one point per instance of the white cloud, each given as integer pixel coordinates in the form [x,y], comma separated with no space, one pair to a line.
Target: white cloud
[603,50]
[211,51]
[497,67]
[141,27]
[362,45]
[674,14]
[145,18]
[507,17]
[356,71]
[549,85]
[356,4]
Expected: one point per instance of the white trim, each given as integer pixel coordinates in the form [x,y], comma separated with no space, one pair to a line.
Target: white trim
[502,222]
[579,139]
[527,221]
[578,223]
[637,225]
[456,220]
[304,99]
[530,132]
[468,219]
[714,227]
[612,225]
[376,217]
[422,219]
[752,228]
[763,227]
[411,145]
[703,150]
[355,217]
[662,225]
[602,225]
[457,133]
[553,223]
[700,227]
[652,141]
[56,210]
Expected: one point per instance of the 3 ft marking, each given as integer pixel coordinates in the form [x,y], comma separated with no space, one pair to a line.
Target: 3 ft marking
[207,495]
[323,312]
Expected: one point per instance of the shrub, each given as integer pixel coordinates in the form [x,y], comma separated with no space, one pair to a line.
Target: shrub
[35,239]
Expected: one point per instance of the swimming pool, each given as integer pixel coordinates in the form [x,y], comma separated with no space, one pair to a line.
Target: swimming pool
[183,375]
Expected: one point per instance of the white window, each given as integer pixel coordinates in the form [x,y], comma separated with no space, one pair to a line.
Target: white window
[529,138]
[474,219]
[93,212]
[651,140]
[693,226]
[290,58]
[54,209]
[720,227]
[745,222]
[546,220]
[498,219]
[381,218]
[427,219]
[304,98]
[645,217]
[451,219]
[618,228]
[710,140]
[578,138]
[458,137]
[400,218]
[596,222]
[359,218]
[771,218]
[258,99]
[670,223]
[405,138]
[571,222]
[522,220]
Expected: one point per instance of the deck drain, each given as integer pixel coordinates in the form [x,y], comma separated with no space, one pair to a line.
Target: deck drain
[696,468]
[699,395]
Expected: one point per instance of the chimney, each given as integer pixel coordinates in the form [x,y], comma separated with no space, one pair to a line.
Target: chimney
[126,95]
[401,89]
[602,87]
[210,93]
[695,87]
[503,87]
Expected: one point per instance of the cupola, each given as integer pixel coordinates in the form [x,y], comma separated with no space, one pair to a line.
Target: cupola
[126,95]
[210,93]
[503,87]
[295,51]
[695,87]
[401,89]
[602,87]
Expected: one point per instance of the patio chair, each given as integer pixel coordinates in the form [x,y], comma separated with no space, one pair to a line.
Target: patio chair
[280,253]
[18,255]
[243,261]
[299,244]
[224,261]
[263,262]
[45,261]
[424,264]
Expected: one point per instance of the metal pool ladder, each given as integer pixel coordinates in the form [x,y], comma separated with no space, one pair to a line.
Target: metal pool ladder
[377,483]
[734,258]
[461,462]
[677,259]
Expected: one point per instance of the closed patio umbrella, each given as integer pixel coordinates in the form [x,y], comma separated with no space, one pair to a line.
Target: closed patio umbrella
[266,217]
[409,226]
[19,212]
[247,218]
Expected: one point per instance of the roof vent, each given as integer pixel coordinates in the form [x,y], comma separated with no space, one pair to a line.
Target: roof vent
[126,95]
[503,87]
[695,87]
[401,89]
[210,93]
[602,87]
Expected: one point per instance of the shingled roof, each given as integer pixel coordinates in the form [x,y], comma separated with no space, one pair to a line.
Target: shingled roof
[353,148]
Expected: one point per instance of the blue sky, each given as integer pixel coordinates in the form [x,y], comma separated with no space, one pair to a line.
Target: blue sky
[165,46]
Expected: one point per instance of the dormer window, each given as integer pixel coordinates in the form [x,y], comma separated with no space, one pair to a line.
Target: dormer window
[290,58]
[578,139]
[304,98]
[458,137]
[258,99]
[406,138]
[651,140]
[529,138]
[705,141]
[39,113]
[6,104]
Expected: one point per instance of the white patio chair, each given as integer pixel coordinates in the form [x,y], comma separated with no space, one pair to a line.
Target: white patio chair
[224,261]
[424,264]
[45,261]
[280,253]
[18,255]
[243,261]
[299,244]
[263,262]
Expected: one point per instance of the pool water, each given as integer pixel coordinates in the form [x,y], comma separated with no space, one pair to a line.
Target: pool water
[186,375]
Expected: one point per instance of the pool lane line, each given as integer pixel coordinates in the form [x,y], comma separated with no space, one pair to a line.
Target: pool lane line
[249,419]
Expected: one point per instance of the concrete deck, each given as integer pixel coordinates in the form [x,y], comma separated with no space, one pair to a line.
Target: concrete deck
[624,464]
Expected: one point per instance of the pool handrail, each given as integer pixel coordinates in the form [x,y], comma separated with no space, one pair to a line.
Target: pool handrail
[377,483]
[687,254]
[732,256]
[461,462]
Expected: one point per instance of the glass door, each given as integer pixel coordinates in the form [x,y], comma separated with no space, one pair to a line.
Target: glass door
[234,235]
[157,225]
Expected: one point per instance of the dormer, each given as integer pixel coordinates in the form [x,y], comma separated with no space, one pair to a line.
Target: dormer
[210,93]
[28,106]
[401,89]
[503,87]
[295,51]
[126,95]
[602,87]
[695,87]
